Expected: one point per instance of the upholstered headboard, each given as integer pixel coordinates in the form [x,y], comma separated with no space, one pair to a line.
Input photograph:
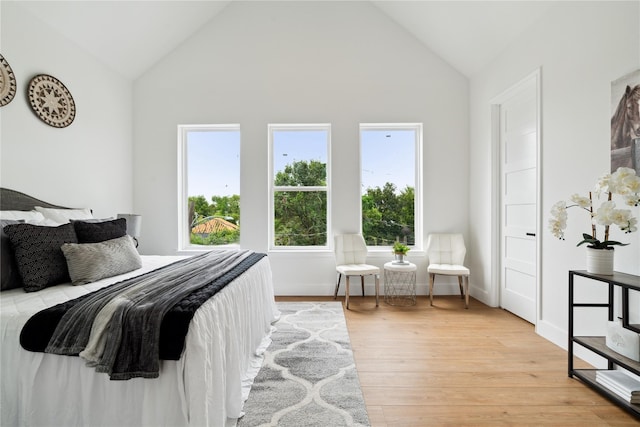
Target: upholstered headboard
[53,227]
[12,200]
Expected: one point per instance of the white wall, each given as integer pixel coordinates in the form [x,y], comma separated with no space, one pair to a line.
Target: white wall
[581,48]
[342,63]
[87,164]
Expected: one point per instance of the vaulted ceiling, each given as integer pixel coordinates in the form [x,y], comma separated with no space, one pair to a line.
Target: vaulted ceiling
[131,36]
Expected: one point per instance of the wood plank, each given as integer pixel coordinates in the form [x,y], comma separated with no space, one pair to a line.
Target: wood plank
[483,396]
[504,415]
[466,379]
[443,365]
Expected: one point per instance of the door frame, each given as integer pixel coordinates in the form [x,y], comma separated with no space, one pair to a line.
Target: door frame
[496,195]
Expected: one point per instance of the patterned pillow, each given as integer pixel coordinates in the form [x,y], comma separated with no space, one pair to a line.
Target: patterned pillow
[8,269]
[94,232]
[40,261]
[89,262]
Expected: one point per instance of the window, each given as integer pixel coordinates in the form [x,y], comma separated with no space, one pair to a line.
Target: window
[391,171]
[299,183]
[209,185]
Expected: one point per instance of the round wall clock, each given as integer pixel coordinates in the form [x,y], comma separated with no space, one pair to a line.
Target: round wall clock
[7,82]
[51,101]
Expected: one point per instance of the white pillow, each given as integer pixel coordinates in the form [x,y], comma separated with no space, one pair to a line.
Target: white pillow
[45,222]
[64,215]
[22,215]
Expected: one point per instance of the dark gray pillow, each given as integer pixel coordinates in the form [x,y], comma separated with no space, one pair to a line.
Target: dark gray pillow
[88,262]
[40,260]
[8,269]
[94,232]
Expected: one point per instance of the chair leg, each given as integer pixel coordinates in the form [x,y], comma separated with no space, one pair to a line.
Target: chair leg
[362,283]
[432,278]
[346,295]
[466,291]
[460,285]
[335,294]
[377,288]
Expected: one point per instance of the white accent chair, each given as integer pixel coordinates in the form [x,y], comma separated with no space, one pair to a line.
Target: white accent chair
[446,257]
[351,258]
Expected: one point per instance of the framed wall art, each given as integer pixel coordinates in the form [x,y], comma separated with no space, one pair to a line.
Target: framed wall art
[7,82]
[51,101]
[625,122]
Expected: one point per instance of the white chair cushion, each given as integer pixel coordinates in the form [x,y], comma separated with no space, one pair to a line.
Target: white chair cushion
[448,269]
[446,249]
[350,249]
[357,269]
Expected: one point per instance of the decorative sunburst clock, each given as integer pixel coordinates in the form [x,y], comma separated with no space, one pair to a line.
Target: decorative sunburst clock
[7,82]
[51,101]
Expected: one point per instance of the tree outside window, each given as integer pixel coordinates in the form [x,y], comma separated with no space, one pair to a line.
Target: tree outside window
[390,171]
[209,177]
[299,185]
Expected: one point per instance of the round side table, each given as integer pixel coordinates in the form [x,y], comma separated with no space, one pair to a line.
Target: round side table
[400,283]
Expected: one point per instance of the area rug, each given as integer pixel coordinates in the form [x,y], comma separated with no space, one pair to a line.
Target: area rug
[308,377]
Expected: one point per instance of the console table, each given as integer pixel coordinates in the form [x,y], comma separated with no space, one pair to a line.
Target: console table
[596,344]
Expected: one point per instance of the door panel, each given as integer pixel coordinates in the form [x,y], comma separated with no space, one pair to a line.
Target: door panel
[522,216]
[520,284]
[519,184]
[519,177]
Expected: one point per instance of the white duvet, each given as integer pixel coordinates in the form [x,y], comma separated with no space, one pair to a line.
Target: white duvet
[203,388]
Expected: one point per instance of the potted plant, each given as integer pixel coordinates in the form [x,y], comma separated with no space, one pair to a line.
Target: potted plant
[622,182]
[400,250]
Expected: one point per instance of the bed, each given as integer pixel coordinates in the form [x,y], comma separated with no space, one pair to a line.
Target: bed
[206,386]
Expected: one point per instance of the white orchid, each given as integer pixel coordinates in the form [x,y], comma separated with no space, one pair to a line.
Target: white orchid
[631,226]
[623,182]
[604,214]
[602,185]
[558,221]
[583,202]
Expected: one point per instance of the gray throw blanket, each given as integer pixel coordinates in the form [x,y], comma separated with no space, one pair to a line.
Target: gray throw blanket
[119,326]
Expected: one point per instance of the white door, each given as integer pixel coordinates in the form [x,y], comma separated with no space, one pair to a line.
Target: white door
[518,190]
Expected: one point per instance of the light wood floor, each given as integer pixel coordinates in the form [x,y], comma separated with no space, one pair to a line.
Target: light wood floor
[447,366]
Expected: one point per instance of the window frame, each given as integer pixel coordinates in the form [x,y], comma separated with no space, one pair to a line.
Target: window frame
[271,129]
[184,235]
[418,178]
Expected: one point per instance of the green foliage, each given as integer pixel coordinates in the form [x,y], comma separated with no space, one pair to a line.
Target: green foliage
[227,207]
[388,216]
[301,216]
[597,244]
[400,248]
[223,237]
[222,206]
[200,206]
[303,173]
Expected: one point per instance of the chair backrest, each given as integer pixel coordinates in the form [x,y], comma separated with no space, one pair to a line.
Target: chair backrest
[350,249]
[446,249]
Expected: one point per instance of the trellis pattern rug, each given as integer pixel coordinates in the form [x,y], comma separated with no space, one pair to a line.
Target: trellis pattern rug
[308,377]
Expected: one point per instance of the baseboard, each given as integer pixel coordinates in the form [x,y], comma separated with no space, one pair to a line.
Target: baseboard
[560,338]
[481,295]
[313,289]
[552,333]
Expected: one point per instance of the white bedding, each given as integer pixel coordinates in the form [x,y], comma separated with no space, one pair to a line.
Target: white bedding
[203,388]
